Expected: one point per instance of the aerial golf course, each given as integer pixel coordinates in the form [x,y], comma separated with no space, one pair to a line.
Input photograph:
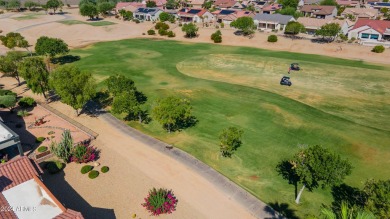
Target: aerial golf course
[340,104]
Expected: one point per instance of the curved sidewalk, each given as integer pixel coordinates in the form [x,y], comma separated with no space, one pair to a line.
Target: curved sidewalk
[256,207]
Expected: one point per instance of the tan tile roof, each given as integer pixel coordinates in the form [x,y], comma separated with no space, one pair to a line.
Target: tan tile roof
[17,171]
[361,12]
[318,9]
[314,22]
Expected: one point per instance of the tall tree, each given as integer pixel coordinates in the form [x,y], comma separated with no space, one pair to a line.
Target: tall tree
[89,10]
[289,3]
[12,40]
[105,7]
[9,64]
[294,28]
[230,140]
[329,31]
[190,29]
[315,166]
[30,4]
[34,71]
[328,2]
[378,197]
[75,87]
[244,24]
[13,4]
[151,4]
[54,4]
[50,46]
[128,103]
[173,113]
[118,84]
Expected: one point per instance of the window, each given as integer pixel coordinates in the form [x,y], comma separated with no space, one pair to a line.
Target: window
[365,35]
[374,36]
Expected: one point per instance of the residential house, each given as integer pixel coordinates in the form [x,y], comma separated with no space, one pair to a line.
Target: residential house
[128,6]
[368,13]
[272,21]
[319,11]
[195,15]
[270,9]
[348,3]
[220,14]
[196,3]
[308,2]
[147,14]
[370,30]
[379,5]
[159,3]
[9,138]
[24,196]
[237,14]
[224,4]
[313,24]
[240,5]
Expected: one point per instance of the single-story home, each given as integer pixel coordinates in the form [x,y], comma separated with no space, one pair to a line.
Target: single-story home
[147,14]
[313,24]
[220,14]
[240,5]
[374,30]
[224,4]
[348,3]
[270,9]
[9,138]
[379,5]
[272,21]
[319,11]
[195,15]
[369,13]
[237,14]
[308,2]
[196,3]
[25,196]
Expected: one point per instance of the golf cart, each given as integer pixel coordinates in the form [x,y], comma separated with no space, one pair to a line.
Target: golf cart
[285,81]
[295,67]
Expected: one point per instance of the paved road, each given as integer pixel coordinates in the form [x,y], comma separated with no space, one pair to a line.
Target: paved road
[256,207]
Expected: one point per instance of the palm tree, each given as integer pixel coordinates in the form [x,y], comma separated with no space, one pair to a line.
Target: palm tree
[346,213]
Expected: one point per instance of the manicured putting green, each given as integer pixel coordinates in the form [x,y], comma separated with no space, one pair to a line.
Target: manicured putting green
[92,23]
[340,104]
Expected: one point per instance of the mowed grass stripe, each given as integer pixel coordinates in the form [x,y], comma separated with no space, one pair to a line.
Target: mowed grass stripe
[275,124]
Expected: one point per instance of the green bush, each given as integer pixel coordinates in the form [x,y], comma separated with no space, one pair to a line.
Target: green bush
[93,174]
[51,133]
[86,168]
[63,149]
[23,113]
[40,139]
[161,25]
[171,34]
[54,166]
[27,102]
[353,38]
[105,169]
[42,149]
[272,38]
[222,25]
[136,21]
[151,32]
[7,92]
[378,49]
[162,32]
[217,37]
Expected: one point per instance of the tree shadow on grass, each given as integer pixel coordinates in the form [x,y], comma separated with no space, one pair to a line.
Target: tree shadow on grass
[285,169]
[280,210]
[351,195]
[65,59]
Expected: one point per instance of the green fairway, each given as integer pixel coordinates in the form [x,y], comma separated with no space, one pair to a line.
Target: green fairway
[92,23]
[340,104]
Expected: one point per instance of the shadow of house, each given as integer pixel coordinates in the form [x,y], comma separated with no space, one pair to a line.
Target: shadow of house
[280,210]
[71,199]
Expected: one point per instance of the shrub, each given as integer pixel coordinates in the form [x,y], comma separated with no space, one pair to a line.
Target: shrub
[272,38]
[217,37]
[23,113]
[105,169]
[180,24]
[86,168]
[7,92]
[353,39]
[162,32]
[82,153]
[222,25]
[171,34]
[51,133]
[93,174]
[42,149]
[136,21]
[40,139]
[161,25]
[27,102]
[378,49]
[63,149]
[160,201]
[54,166]
[151,32]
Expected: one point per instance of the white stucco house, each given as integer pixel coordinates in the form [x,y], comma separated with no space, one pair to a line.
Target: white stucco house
[197,15]
[371,30]
[272,21]
[147,14]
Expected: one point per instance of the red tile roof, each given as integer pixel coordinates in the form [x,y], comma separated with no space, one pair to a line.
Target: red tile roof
[6,212]
[17,171]
[69,214]
[378,25]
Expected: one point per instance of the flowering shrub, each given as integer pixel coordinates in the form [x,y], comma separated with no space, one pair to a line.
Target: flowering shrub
[83,153]
[160,201]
